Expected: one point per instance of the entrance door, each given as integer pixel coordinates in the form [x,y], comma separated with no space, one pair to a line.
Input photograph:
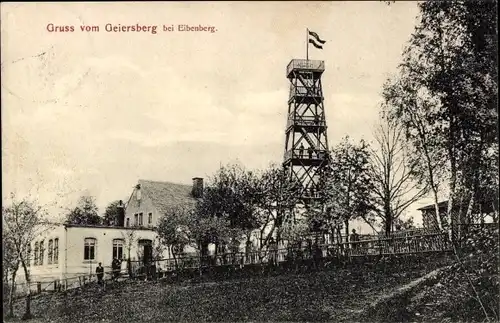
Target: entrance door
[146,246]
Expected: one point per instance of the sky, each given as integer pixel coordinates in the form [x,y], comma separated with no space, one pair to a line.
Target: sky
[94,112]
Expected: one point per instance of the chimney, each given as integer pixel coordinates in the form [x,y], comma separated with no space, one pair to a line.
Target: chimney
[121,214]
[138,192]
[197,190]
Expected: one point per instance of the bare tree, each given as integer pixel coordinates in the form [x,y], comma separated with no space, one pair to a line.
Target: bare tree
[23,222]
[130,237]
[10,268]
[394,187]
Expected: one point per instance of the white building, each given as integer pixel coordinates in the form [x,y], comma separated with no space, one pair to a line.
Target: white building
[65,251]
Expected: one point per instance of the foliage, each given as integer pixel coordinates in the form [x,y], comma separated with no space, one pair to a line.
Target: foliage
[404,224]
[172,230]
[393,175]
[347,185]
[295,231]
[111,213]
[445,98]
[23,221]
[231,195]
[279,198]
[466,291]
[10,259]
[10,267]
[86,212]
[201,230]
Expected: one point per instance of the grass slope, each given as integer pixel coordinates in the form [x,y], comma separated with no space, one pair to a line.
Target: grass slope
[337,295]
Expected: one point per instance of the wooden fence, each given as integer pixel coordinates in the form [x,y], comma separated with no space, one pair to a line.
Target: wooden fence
[402,243]
[419,242]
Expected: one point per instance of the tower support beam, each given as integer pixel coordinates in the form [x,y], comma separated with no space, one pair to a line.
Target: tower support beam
[306,140]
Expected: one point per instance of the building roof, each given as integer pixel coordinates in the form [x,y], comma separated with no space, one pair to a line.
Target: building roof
[486,206]
[101,226]
[443,204]
[166,195]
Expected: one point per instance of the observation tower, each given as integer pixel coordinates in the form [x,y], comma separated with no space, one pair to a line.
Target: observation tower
[306,143]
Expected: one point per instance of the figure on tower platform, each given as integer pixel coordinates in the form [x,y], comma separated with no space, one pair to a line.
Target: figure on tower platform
[301,150]
[310,151]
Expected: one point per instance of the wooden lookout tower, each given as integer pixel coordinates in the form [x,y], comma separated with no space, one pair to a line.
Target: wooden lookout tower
[306,143]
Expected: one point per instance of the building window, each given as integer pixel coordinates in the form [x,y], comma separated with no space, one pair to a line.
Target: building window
[140,219]
[40,260]
[136,219]
[128,222]
[56,251]
[118,249]
[37,249]
[89,249]
[50,252]
[150,218]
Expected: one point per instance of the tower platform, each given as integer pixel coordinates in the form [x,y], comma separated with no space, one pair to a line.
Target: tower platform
[305,65]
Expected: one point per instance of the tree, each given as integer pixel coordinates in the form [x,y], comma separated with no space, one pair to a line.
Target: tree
[202,230]
[172,230]
[10,268]
[392,174]
[111,213]
[445,96]
[278,200]
[130,238]
[347,185]
[231,196]
[407,224]
[23,221]
[427,160]
[86,212]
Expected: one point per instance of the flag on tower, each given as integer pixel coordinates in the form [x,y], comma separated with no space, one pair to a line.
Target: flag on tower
[313,38]
[312,33]
[315,45]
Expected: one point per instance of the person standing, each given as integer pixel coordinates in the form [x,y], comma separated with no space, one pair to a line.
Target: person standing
[273,252]
[354,238]
[115,265]
[100,274]
[248,252]
[310,151]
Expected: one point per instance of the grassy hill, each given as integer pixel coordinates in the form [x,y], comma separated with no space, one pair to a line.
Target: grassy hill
[337,295]
[392,289]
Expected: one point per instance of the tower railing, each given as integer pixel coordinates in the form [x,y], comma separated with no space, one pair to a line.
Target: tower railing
[304,64]
[306,121]
[301,91]
[304,154]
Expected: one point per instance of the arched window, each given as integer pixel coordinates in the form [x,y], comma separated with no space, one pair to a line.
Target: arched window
[50,252]
[42,249]
[37,250]
[56,251]
[89,249]
[118,249]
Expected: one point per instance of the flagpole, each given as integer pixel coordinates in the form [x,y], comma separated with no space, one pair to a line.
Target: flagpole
[307,43]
